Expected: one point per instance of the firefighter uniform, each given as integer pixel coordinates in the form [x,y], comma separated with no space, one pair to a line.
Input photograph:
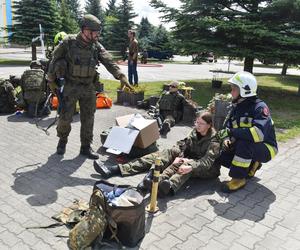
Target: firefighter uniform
[251,127]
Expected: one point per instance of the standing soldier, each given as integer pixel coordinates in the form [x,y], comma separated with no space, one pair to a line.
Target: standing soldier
[170,107]
[249,136]
[83,53]
[132,58]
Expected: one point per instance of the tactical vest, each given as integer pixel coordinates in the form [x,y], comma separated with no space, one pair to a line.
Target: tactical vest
[7,97]
[33,79]
[82,61]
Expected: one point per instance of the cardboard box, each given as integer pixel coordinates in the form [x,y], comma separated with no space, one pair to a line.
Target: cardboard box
[148,129]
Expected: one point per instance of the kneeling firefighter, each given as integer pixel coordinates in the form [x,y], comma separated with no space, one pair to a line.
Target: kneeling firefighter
[249,136]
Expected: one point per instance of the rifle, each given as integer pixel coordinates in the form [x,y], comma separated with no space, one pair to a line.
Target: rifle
[59,93]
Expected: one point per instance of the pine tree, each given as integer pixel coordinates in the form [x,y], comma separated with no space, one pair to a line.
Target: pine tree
[29,14]
[68,22]
[145,28]
[94,7]
[125,14]
[246,29]
[75,9]
[111,8]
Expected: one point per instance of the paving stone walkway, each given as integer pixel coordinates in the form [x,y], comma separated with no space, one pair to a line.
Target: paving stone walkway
[35,184]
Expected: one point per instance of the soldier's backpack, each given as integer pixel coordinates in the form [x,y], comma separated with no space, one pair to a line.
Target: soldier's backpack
[92,226]
[7,97]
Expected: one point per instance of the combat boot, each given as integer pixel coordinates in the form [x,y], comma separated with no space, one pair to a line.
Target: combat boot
[61,147]
[233,185]
[165,129]
[164,188]
[88,152]
[146,183]
[106,171]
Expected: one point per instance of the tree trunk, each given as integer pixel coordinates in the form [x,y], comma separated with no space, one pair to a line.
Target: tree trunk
[248,64]
[284,69]
[299,89]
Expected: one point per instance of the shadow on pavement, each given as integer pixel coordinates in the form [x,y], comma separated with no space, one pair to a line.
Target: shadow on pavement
[43,180]
[250,204]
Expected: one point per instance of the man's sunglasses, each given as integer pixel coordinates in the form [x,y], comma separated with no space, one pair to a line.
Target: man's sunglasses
[172,86]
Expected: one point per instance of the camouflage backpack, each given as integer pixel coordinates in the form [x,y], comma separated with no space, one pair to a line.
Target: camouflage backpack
[7,97]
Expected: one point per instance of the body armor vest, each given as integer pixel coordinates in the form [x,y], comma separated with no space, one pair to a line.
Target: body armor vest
[82,60]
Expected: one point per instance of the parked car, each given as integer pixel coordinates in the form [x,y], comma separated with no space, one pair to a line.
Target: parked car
[160,55]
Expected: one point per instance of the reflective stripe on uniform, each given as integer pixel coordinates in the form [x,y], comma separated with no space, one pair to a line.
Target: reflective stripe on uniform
[246,122]
[273,151]
[257,134]
[234,124]
[241,162]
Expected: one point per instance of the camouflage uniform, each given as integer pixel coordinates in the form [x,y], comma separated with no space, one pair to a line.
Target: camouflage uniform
[82,59]
[170,107]
[33,86]
[203,150]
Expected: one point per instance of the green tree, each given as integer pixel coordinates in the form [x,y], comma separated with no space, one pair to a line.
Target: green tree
[68,22]
[245,29]
[111,9]
[94,7]
[125,14]
[28,14]
[74,6]
[145,28]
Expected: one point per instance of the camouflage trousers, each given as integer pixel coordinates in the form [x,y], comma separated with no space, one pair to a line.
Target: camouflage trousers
[168,170]
[85,94]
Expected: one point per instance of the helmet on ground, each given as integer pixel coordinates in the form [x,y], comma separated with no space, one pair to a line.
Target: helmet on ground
[59,37]
[35,64]
[90,22]
[246,83]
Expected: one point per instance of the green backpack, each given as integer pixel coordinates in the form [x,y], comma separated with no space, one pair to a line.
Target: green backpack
[7,97]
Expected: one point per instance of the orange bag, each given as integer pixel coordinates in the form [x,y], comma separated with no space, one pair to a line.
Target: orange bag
[54,102]
[102,101]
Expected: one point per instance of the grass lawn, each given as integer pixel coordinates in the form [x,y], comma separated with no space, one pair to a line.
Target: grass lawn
[4,61]
[279,92]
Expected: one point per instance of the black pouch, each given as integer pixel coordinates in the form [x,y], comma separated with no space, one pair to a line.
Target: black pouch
[126,224]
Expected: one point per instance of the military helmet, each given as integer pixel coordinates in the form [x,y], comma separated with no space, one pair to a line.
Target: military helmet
[246,82]
[90,22]
[35,64]
[59,37]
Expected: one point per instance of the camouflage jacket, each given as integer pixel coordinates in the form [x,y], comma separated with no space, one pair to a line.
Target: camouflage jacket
[82,60]
[203,150]
[171,103]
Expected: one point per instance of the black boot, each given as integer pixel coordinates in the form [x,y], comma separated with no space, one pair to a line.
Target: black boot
[88,152]
[61,147]
[106,171]
[146,183]
[165,128]
[164,188]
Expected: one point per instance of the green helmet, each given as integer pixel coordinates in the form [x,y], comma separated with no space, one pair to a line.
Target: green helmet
[59,37]
[90,22]
[35,64]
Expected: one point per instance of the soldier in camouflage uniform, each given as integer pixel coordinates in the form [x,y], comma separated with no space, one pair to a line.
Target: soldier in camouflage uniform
[33,86]
[170,107]
[192,157]
[82,53]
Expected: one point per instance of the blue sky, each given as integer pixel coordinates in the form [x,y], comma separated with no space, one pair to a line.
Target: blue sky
[143,9]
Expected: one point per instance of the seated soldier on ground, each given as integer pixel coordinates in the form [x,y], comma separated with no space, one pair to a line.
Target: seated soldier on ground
[193,156]
[33,86]
[170,106]
[249,135]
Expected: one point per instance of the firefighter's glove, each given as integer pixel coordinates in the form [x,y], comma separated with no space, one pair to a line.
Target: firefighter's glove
[53,86]
[222,134]
[124,83]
